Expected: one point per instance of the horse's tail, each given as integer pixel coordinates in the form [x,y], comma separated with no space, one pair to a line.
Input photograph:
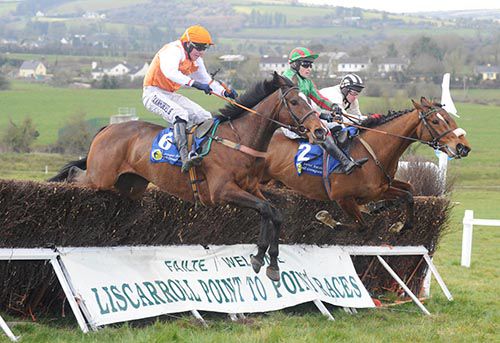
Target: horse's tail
[63,173]
[81,163]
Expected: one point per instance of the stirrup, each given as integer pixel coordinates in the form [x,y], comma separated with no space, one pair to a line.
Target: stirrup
[193,160]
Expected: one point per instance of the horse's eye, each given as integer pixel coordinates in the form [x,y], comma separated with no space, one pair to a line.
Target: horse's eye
[435,121]
[294,102]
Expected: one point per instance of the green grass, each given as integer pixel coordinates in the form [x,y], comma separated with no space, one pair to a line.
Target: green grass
[93,5]
[51,107]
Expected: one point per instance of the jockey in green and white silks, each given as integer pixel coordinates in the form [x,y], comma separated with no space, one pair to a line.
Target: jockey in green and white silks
[301,60]
[346,96]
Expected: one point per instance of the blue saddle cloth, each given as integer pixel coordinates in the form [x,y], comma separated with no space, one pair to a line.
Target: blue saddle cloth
[165,150]
[309,157]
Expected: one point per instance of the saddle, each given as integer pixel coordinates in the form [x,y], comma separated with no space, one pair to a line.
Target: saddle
[201,130]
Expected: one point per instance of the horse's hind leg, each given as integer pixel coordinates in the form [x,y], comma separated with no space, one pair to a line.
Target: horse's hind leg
[131,185]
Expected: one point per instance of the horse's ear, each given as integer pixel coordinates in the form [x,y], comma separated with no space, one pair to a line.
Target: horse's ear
[417,105]
[425,102]
[281,80]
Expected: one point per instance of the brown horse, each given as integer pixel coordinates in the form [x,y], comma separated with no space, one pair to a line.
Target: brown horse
[119,159]
[428,123]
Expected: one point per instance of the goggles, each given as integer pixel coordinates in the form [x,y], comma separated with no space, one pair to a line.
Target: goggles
[200,46]
[306,64]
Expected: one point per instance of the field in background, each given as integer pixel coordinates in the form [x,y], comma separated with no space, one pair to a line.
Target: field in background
[473,316]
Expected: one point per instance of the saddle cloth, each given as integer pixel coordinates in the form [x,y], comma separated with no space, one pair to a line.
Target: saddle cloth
[309,157]
[164,149]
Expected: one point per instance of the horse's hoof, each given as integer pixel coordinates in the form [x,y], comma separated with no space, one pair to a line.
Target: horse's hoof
[273,273]
[326,218]
[396,227]
[256,263]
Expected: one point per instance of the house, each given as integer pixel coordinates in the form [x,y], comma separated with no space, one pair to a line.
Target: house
[32,69]
[488,72]
[353,65]
[268,64]
[139,72]
[116,70]
[391,64]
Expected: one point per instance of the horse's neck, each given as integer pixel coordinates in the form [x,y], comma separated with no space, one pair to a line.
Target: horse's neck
[255,130]
[391,147]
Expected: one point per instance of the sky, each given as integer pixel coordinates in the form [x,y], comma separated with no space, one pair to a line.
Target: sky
[400,6]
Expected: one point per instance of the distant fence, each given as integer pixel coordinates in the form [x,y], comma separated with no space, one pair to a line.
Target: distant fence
[468,229]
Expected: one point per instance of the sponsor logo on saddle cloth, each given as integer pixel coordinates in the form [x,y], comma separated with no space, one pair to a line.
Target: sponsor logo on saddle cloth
[165,150]
[309,157]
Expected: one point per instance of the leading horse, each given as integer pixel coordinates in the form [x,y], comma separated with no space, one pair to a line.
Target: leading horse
[384,140]
[118,159]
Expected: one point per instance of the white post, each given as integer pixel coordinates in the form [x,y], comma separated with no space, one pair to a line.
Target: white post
[443,166]
[323,309]
[403,285]
[7,331]
[467,238]
[46,169]
[440,281]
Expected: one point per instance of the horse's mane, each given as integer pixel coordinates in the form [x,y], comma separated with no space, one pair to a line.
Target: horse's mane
[257,92]
[372,122]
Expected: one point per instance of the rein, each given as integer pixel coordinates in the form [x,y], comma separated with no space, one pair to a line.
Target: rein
[299,128]
[422,116]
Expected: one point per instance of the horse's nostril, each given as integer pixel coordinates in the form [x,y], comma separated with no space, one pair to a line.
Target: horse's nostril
[319,134]
[462,150]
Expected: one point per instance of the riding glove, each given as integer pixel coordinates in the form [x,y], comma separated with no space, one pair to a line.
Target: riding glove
[202,87]
[231,93]
[326,115]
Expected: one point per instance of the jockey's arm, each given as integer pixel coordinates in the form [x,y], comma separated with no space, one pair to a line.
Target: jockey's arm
[170,59]
[202,76]
[318,98]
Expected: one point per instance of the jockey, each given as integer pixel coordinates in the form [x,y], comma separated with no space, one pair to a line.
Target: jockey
[346,95]
[180,63]
[301,61]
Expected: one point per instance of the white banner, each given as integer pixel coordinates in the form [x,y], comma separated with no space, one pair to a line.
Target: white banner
[127,283]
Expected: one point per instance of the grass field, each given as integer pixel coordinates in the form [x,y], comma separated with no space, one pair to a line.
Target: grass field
[473,316]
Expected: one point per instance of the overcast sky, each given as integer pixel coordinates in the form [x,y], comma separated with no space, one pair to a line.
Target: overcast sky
[400,6]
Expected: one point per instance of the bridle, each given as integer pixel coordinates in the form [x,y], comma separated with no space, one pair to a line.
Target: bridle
[436,137]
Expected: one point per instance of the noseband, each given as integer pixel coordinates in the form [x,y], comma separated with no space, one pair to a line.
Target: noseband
[436,137]
[299,127]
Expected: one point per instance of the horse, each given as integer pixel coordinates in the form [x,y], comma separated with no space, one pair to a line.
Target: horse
[118,158]
[427,122]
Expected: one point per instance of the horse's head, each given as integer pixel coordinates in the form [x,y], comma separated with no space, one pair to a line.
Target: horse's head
[295,111]
[440,130]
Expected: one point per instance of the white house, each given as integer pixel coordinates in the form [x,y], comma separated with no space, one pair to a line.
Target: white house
[32,69]
[391,64]
[139,72]
[117,70]
[269,64]
[353,64]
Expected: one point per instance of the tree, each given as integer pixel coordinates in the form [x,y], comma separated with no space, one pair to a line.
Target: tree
[75,137]
[4,83]
[20,138]
[392,51]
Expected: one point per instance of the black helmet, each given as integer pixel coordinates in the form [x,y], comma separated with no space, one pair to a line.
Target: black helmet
[351,82]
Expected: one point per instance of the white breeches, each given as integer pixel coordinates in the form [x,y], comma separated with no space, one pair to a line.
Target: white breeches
[170,105]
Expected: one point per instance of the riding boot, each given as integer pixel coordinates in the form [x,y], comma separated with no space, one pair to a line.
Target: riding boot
[188,160]
[347,164]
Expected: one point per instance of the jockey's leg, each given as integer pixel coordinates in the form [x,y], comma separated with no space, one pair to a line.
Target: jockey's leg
[176,110]
[347,164]
[188,160]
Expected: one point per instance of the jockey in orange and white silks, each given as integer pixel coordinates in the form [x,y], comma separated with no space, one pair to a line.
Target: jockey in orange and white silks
[180,63]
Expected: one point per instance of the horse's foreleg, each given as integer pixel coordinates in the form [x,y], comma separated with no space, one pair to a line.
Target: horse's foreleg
[351,208]
[404,191]
[270,223]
